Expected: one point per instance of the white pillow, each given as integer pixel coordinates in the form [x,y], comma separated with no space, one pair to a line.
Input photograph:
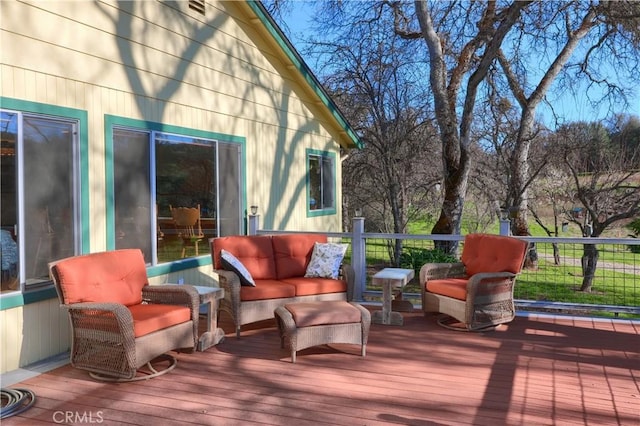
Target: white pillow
[326,260]
[231,263]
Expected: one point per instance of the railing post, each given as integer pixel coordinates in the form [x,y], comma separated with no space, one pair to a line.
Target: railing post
[505,227]
[254,223]
[358,258]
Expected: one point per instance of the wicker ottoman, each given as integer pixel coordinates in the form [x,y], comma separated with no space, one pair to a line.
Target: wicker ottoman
[308,324]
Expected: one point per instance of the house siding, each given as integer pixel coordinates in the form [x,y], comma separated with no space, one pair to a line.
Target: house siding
[161,62]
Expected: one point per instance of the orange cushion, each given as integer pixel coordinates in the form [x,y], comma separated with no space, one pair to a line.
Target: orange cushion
[267,289]
[153,317]
[254,251]
[306,314]
[293,252]
[492,253]
[114,276]
[309,286]
[451,287]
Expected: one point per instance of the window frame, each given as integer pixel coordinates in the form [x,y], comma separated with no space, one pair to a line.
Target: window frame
[80,195]
[322,155]
[111,122]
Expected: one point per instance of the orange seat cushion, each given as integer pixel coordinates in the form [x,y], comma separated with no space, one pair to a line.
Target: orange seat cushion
[114,276]
[452,287]
[293,253]
[267,289]
[309,286]
[492,253]
[153,317]
[254,251]
[307,314]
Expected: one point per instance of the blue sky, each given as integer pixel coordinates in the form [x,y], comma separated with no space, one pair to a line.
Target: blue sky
[569,106]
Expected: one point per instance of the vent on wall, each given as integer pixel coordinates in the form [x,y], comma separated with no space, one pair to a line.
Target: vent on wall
[197,5]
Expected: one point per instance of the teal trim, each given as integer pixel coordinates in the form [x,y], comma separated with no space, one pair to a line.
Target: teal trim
[83,140]
[110,221]
[167,128]
[10,301]
[17,299]
[293,55]
[180,265]
[332,155]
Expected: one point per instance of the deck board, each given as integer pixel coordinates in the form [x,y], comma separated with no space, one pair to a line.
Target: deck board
[536,370]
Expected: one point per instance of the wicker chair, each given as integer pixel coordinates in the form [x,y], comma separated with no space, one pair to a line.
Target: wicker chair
[119,322]
[477,292]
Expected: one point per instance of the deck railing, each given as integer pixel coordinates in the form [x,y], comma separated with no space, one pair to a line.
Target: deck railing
[553,285]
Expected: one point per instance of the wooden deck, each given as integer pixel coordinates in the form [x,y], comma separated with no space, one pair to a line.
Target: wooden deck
[535,371]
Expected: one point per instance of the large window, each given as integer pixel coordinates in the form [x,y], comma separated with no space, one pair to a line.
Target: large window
[321,182]
[172,192]
[40,195]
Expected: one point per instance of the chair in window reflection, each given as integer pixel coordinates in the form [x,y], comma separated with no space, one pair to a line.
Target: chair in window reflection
[187,223]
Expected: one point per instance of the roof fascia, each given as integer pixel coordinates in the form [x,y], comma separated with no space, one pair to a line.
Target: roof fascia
[295,58]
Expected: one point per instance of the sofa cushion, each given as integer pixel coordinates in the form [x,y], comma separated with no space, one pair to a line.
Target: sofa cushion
[307,314]
[154,317]
[267,289]
[326,260]
[452,287]
[310,286]
[114,276]
[492,253]
[254,251]
[231,263]
[293,253]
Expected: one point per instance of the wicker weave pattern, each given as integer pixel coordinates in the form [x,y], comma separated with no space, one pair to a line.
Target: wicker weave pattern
[489,296]
[103,338]
[299,338]
[259,310]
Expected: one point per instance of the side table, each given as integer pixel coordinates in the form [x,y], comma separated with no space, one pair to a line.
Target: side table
[213,335]
[390,278]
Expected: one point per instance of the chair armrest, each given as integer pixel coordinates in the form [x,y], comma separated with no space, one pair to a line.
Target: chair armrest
[173,294]
[102,321]
[230,282]
[349,275]
[434,271]
[490,283]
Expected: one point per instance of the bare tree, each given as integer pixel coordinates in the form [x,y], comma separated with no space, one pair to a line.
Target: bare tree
[597,35]
[377,86]
[602,183]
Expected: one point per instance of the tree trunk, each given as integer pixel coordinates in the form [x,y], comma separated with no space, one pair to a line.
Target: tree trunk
[556,254]
[589,262]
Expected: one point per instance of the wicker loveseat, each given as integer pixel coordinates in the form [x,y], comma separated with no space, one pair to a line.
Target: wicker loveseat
[277,264]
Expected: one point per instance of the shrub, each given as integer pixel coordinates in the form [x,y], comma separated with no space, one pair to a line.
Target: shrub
[415,257]
[635,228]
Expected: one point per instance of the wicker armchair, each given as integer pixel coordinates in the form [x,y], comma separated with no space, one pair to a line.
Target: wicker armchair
[119,322]
[477,292]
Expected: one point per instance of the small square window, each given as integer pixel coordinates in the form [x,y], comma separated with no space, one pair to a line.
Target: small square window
[321,183]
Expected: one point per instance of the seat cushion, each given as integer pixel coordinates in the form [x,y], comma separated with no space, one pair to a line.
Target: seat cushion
[307,314]
[292,253]
[154,317]
[113,276]
[310,286]
[492,253]
[451,287]
[267,289]
[254,251]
